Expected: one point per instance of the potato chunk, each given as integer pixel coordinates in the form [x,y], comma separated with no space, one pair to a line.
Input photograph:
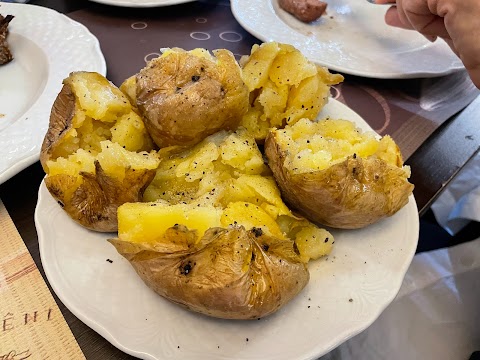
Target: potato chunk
[186,96]
[335,175]
[284,87]
[97,153]
[226,171]
[230,273]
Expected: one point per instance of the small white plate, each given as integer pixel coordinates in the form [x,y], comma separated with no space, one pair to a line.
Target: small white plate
[346,293]
[351,38]
[46,46]
[141,3]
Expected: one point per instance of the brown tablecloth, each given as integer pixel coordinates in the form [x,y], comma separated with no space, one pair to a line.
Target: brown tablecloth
[408,110]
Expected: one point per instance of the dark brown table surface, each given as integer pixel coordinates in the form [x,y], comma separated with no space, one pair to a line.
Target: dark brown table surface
[433,165]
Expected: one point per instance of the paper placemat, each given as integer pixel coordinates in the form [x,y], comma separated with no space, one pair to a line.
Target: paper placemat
[31,324]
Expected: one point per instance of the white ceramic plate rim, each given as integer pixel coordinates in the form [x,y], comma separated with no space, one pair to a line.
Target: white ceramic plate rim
[60,53]
[144,4]
[85,309]
[260,20]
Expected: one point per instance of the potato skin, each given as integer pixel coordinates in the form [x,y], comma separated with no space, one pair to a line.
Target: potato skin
[94,203]
[184,98]
[62,113]
[349,195]
[231,273]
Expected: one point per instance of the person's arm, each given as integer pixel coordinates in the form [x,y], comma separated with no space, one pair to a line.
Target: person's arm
[455,21]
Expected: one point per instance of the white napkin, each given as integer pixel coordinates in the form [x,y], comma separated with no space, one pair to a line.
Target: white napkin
[459,203]
[436,314]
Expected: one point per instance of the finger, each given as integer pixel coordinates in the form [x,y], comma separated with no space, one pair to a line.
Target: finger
[401,15]
[427,23]
[393,18]
[465,35]
[384,1]
[475,75]
[452,46]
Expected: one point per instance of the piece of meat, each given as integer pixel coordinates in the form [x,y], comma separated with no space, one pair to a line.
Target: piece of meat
[304,10]
[5,54]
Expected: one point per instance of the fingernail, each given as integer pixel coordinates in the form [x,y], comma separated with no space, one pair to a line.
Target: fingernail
[430,38]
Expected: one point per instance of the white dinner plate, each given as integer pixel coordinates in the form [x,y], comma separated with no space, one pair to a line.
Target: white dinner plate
[351,38]
[347,291]
[46,46]
[141,3]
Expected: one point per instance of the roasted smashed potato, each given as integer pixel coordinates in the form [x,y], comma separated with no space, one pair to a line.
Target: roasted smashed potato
[229,273]
[185,96]
[215,235]
[95,153]
[335,175]
[284,87]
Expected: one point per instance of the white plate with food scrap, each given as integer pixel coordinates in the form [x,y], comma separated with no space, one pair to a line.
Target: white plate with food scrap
[352,38]
[46,47]
[141,3]
[347,290]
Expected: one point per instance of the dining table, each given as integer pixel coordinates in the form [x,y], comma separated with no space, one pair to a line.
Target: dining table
[435,121]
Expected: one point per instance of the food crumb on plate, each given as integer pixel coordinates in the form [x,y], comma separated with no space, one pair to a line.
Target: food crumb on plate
[110,261]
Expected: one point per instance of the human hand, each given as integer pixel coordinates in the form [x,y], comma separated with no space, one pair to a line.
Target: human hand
[455,21]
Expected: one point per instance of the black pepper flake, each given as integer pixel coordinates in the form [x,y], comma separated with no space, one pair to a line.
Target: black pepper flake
[354,155]
[257,231]
[350,300]
[265,247]
[326,239]
[195,78]
[308,306]
[186,269]
[110,261]
[246,339]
